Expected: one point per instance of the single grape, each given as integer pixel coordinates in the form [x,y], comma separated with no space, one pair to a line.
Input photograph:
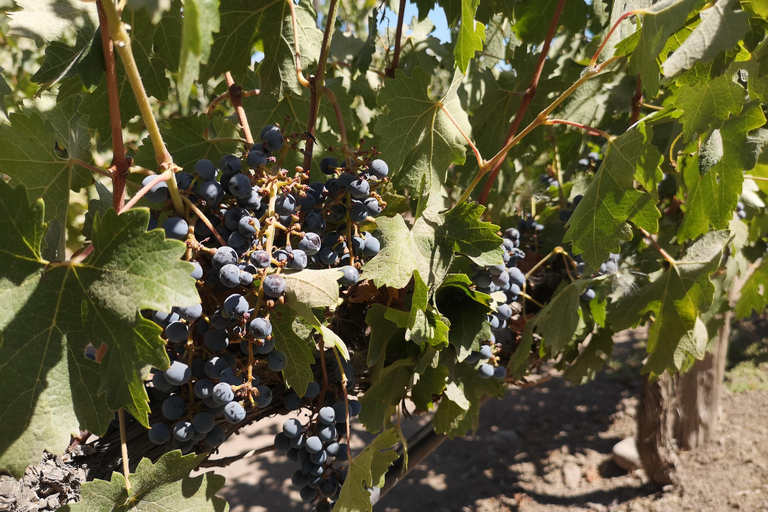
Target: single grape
[328,165]
[372,246]
[378,168]
[307,202]
[299,261]
[234,412]
[343,454]
[216,436]
[504,311]
[203,388]
[178,373]
[486,352]
[277,360]
[228,376]
[313,444]
[222,393]
[349,276]
[500,373]
[319,457]
[373,206]
[159,433]
[210,191]
[229,275]
[285,204]
[273,140]
[184,180]
[205,169]
[173,407]
[159,191]
[233,216]
[307,493]
[360,188]
[265,396]
[189,313]
[256,159]
[238,242]
[483,279]
[328,256]
[229,165]
[216,340]
[314,223]
[292,401]
[203,422]
[359,212]
[313,389]
[248,226]
[292,427]
[282,442]
[266,347]
[326,415]
[215,366]
[332,449]
[235,305]
[274,286]
[588,294]
[239,186]
[516,276]
[260,328]
[246,278]
[260,259]
[298,441]
[176,228]
[224,256]
[485,370]
[159,383]
[354,408]
[327,434]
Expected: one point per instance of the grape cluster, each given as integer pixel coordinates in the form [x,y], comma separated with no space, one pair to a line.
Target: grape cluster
[740,212]
[591,160]
[319,449]
[505,277]
[255,225]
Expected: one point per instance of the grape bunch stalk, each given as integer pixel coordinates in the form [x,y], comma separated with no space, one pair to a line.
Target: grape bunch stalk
[252,225]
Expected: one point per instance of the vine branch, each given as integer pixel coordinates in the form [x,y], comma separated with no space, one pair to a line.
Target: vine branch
[119,168]
[530,92]
[398,37]
[592,131]
[234,95]
[317,82]
[478,156]
[339,116]
[609,34]
[124,448]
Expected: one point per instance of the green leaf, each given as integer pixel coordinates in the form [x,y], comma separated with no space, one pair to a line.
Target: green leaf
[459,409]
[184,137]
[416,137]
[364,56]
[96,207]
[659,22]
[713,194]
[382,330]
[589,103]
[591,359]
[294,337]
[50,313]
[365,471]
[147,51]
[453,407]
[62,60]
[465,308]
[754,292]
[28,155]
[432,244]
[721,30]
[201,20]
[391,387]
[557,322]
[600,221]
[675,300]
[291,113]
[165,485]
[52,20]
[471,35]
[95,106]
[708,104]
[431,383]
[155,8]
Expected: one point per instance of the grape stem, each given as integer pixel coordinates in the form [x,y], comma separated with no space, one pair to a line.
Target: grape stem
[167,175]
[317,82]
[297,54]
[119,167]
[530,92]
[346,398]
[163,158]
[339,116]
[202,217]
[655,244]
[398,37]
[90,167]
[616,24]
[234,95]
[124,448]
[592,131]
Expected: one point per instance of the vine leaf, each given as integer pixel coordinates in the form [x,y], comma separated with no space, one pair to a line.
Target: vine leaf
[465,309]
[52,20]
[471,35]
[558,321]
[416,137]
[184,137]
[459,409]
[28,155]
[431,245]
[707,105]
[201,20]
[294,337]
[51,312]
[713,194]
[720,30]
[165,485]
[61,60]
[675,300]
[600,221]
[151,43]
[390,387]
[365,471]
[659,22]
[591,360]
[431,383]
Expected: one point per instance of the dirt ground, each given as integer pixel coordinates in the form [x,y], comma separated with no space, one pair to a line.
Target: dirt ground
[526,444]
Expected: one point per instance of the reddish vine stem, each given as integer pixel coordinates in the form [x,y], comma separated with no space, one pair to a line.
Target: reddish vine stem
[120,165]
[339,116]
[592,131]
[637,101]
[530,92]
[656,246]
[317,83]
[234,95]
[398,36]
[609,34]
